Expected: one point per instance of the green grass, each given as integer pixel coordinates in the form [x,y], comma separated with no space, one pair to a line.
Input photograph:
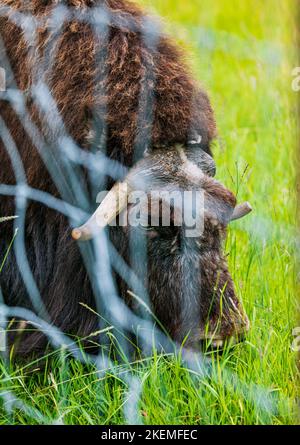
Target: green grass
[243,53]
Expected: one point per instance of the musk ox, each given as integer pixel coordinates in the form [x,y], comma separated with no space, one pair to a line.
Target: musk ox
[102,79]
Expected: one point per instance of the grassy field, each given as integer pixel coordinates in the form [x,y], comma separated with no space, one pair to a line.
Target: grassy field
[243,53]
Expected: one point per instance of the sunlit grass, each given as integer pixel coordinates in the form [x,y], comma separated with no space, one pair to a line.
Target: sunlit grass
[243,54]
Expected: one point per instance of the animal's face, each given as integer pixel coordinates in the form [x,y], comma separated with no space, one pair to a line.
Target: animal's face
[171,205]
[189,283]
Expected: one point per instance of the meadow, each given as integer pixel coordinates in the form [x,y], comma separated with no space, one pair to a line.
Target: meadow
[243,53]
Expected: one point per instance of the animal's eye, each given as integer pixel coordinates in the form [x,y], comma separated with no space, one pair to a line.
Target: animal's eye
[167,232]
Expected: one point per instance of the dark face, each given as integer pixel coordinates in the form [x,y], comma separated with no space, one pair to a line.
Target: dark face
[179,259]
[190,288]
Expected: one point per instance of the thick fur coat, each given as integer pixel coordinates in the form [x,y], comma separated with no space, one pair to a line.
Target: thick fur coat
[105,78]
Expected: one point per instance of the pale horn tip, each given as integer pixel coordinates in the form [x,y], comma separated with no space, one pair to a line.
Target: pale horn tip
[76,234]
[241,210]
[248,207]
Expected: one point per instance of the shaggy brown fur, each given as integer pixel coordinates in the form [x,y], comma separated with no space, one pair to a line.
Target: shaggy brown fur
[93,78]
[133,72]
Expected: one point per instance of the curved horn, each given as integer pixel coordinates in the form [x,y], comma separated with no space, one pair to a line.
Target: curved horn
[7,218]
[241,210]
[113,204]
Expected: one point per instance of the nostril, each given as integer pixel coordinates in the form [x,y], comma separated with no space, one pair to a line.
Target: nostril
[225,326]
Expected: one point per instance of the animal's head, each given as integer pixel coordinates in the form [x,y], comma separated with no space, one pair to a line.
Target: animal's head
[172,201]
